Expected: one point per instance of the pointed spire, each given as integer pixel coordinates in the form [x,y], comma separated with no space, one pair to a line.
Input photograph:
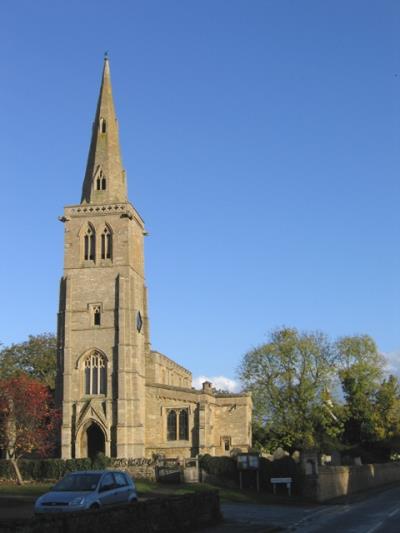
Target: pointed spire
[105,178]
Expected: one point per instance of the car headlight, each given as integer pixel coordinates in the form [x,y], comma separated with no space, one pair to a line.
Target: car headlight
[77,501]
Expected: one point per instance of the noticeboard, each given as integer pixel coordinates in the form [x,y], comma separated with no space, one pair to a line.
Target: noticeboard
[246,461]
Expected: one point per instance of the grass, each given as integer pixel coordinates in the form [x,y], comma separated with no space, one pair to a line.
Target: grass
[8,488]
[148,489]
[35,488]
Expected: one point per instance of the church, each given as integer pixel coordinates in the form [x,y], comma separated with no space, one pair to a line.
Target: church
[117,395]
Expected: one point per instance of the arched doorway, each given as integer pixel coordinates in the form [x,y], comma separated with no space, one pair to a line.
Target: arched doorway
[95,440]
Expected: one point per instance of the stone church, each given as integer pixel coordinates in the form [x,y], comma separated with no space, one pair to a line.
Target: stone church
[118,396]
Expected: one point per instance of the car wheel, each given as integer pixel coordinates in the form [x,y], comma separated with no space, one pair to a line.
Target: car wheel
[133,500]
[94,506]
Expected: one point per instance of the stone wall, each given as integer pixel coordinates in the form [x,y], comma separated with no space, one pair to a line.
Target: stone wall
[334,481]
[163,515]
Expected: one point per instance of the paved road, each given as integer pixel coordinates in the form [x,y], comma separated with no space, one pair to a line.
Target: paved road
[378,512]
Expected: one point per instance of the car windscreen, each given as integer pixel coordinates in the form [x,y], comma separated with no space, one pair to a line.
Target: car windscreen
[78,482]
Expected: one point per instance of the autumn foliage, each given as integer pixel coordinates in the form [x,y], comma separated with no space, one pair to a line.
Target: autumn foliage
[28,419]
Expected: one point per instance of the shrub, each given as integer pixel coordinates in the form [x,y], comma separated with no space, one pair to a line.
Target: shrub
[223,467]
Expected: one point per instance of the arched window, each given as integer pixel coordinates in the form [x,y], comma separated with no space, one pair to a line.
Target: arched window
[171,425]
[95,374]
[103,125]
[106,244]
[90,244]
[183,425]
[101,182]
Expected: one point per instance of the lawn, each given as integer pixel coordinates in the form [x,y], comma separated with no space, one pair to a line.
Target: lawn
[151,489]
[35,488]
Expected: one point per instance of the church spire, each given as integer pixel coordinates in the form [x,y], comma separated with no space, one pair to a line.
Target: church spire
[105,178]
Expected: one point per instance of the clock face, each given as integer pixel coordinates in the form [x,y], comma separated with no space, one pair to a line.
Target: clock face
[139,322]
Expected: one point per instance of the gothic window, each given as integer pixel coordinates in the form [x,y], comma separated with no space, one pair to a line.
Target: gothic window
[171,425]
[90,244]
[183,425]
[101,182]
[106,243]
[95,374]
[96,315]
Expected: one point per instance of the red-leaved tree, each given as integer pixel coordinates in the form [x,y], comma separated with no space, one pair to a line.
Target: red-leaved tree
[28,419]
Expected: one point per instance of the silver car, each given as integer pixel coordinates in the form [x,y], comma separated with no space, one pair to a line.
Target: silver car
[79,491]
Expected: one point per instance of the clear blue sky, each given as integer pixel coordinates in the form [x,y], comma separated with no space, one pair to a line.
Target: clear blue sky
[261,143]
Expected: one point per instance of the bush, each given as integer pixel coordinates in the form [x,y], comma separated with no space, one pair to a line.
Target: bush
[222,467]
[40,469]
[101,462]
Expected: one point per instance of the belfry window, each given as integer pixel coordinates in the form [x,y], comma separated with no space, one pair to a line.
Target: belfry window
[171,425]
[101,182]
[95,374]
[89,243]
[106,244]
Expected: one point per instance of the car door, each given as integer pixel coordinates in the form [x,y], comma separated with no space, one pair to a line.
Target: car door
[107,490]
[121,488]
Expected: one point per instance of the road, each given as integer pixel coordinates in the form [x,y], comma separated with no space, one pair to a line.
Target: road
[377,512]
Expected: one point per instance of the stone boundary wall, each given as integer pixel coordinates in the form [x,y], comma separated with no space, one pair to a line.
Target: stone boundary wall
[334,481]
[162,515]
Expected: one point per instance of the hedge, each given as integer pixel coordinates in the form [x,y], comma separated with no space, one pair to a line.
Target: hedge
[225,468]
[39,469]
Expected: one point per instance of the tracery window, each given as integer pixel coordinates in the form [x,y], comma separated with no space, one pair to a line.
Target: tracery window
[95,374]
[106,243]
[183,425]
[171,425]
[90,244]
[178,424]
[101,182]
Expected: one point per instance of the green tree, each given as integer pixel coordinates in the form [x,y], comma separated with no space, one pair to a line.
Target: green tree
[289,378]
[35,357]
[361,372]
[387,418]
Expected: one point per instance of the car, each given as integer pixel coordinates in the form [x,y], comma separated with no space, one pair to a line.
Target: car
[79,491]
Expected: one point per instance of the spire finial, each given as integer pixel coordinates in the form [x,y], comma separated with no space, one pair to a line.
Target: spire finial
[106,55]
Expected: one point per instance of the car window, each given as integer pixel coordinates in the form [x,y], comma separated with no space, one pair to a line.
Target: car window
[120,479]
[107,481]
[77,482]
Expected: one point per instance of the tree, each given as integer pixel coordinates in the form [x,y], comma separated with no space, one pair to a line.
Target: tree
[28,420]
[35,357]
[361,372]
[290,377]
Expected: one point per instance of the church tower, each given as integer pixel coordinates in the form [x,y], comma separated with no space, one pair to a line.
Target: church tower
[102,322]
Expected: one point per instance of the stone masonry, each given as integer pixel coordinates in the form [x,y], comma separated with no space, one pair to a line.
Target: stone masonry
[117,395]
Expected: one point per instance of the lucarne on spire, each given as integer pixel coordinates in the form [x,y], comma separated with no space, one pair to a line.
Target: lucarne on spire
[105,178]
